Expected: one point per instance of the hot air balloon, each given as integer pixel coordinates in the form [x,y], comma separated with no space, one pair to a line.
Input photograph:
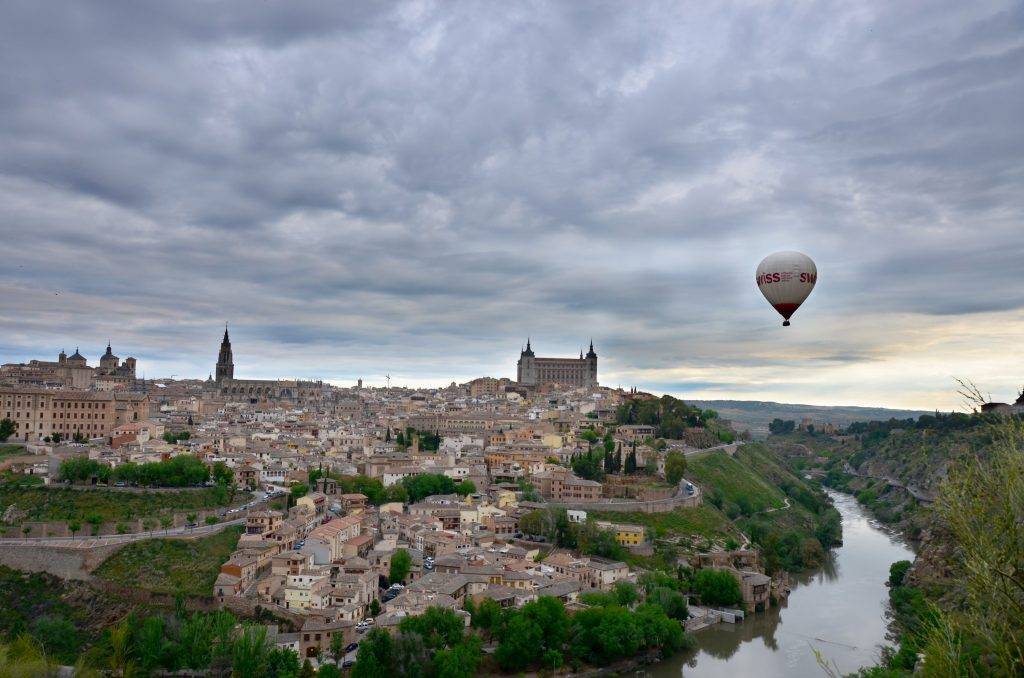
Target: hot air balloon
[785,279]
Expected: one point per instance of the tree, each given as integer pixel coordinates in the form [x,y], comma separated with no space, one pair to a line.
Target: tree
[374,607]
[625,593]
[675,467]
[520,644]
[337,649]
[165,523]
[529,491]
[460,661]
[466,487]
[95,521]
[401,563]
[376,656]
[6,429]
[439,627]
[249,651]
[74,526]
[221,473]
[589,466]
[328,671]
[672,602]
[426,484]
[487,616]
[299,490]
[191,518]
[897,571]
[717,587]
[780,427]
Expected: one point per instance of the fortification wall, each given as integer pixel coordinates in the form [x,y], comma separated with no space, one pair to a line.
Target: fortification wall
[60,561]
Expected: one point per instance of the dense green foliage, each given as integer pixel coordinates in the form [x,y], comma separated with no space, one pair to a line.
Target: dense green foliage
[401,562]
[176,437]
[32,604]
[171,565]
[426,484]
[373,488]
[428,440]
[541,635]
[6,429]
[717,587]
[37,614]
[675,467]
[589,465]
[429,645]
[183,470]
[198,641]
[671,417]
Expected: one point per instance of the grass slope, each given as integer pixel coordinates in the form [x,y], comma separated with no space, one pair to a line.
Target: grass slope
[171,565]
[737,481]
[57,503]
[702,521]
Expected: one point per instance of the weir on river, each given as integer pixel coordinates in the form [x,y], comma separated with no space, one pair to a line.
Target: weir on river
[839,610]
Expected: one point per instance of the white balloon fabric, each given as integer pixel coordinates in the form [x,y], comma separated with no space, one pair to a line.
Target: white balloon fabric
[785,279]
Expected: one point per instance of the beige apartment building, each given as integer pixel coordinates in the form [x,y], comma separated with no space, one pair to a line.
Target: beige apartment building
[561,485]
[38,413]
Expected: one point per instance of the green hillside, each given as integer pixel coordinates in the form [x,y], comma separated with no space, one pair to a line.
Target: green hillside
[171,565]
[733,482]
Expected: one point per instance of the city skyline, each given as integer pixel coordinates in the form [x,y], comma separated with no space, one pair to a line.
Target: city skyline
[412,189]
[382,378]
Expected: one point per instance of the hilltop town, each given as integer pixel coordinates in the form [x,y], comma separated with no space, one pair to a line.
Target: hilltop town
[351,509]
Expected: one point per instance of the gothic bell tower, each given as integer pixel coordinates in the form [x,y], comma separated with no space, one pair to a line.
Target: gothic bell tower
[225,362]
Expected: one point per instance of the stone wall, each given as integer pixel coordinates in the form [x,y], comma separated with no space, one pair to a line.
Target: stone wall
[680,500]
[61,561]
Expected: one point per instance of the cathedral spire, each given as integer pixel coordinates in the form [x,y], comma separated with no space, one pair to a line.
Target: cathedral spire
[225,360]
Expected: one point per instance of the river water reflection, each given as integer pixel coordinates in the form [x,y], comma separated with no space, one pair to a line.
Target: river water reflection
[839,610]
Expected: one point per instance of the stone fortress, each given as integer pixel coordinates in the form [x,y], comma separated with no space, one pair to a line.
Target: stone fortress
[534,371]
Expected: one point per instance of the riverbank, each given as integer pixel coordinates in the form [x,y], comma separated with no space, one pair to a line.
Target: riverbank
[839,610]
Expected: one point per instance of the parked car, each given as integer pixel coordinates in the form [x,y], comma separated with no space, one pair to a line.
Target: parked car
[351,647]
[348,663]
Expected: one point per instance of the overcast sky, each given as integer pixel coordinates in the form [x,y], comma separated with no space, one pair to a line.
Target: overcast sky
[363,189]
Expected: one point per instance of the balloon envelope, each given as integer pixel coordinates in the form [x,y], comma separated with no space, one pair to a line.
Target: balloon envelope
[785,279]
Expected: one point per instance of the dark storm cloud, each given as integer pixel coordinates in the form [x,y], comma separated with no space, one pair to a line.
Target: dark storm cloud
[363,188]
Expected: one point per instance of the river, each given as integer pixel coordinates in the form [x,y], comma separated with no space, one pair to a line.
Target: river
[838,610]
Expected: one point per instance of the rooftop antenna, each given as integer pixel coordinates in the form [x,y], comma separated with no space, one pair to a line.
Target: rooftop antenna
[389,380]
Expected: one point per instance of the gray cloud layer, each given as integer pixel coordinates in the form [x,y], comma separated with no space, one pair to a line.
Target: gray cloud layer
[413,188]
